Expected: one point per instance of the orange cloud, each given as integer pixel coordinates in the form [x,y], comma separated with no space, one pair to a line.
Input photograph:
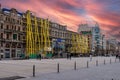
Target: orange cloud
[72,12]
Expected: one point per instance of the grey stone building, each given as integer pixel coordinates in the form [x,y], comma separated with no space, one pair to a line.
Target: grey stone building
[58,36]
[11,33]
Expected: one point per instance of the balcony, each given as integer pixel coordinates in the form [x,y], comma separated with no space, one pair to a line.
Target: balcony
[8,30]
[2,39]
[17,41]
[8,40]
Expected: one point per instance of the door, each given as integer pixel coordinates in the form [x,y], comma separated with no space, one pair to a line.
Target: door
[13,54]
[7,53]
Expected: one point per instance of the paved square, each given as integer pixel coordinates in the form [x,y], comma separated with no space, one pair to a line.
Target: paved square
[25,67]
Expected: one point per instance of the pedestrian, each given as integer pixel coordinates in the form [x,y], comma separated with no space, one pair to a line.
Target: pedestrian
[116,55]
[61,55]
[40,56]
[90,57]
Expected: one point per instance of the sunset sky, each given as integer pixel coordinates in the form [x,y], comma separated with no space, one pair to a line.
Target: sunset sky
[73,12]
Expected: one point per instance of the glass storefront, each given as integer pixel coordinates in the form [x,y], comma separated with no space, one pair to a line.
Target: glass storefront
[7,53]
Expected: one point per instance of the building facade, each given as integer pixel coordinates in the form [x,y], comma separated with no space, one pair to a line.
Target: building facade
[76,44]
[28,35]
[112,47]
[94,36]
[24,34]
[58,38]
[11,33]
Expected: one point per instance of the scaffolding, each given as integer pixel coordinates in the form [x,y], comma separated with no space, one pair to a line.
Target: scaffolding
[79,44]
[73,48]
[37,36]
[45,40]
[84,44]
[29,34]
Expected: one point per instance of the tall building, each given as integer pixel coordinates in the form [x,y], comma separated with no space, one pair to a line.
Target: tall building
[26,35]
[77,44]
[58,37]
[37,35]
[85,30]
[94,35]
[11,33]
[112,46]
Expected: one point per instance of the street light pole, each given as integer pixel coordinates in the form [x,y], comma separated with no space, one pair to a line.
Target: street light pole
[102,44]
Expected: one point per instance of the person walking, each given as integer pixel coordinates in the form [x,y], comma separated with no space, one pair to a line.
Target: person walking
[40,56]
[90,57]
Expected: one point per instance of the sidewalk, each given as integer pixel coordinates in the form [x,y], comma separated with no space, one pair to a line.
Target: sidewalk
[103,72]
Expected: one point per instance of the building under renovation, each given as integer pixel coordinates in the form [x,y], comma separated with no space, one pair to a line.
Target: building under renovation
[24,34]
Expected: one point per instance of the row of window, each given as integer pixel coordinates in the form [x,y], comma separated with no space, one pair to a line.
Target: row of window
[12,20]
[58,34]
[18,28]
[8,45]
[58,26]
[8,36]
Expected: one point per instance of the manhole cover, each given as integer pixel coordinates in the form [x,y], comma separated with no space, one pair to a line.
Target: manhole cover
[12,78]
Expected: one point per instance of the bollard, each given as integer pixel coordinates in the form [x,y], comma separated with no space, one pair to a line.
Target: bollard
[75,65]
[115,60]
[110,61]
[96,62]
[87,64]
[58,68]
[104,61]
[33,70]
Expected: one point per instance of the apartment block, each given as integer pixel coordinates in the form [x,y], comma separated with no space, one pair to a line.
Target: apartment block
[11,33]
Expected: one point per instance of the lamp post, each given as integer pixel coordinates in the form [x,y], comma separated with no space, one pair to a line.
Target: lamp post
[102,44]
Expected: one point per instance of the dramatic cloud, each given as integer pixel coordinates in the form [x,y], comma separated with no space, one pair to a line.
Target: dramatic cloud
[73,12]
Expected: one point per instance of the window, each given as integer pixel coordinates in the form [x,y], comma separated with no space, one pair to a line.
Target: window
[18,28]
[97,30]
[14,36]
[1,51]
[6,18]
[23,28]
[7,36]
[1,36]
[17,21]
[12,27]
[15,28]
[23,37]
[7,45]
[1,44]
[18,37]
[2,26]
[7,26]
[13,20]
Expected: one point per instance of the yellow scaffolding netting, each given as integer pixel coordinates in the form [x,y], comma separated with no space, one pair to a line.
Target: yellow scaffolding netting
[37,36]
[79,44]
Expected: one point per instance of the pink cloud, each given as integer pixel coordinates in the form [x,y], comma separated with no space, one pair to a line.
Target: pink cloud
[61,12]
